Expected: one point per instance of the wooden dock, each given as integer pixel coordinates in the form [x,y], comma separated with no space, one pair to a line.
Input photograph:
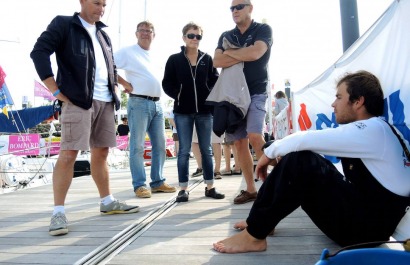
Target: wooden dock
[163,232]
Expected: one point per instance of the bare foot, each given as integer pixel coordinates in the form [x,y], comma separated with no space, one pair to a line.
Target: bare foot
[240,243]
[241,225]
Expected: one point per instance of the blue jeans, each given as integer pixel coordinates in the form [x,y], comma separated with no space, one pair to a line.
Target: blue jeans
[146,116]
[185,126]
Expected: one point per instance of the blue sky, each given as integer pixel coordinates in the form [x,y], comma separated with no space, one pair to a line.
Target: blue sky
[307,33]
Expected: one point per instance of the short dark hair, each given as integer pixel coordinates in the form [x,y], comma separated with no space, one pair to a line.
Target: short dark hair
[147,24]
[364,84]
[124,119]
[280,94]
[192,25]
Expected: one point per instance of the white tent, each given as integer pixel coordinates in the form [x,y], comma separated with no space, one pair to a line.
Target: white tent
[383,50]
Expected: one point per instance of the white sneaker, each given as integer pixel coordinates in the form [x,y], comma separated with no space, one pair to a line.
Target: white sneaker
[58,225]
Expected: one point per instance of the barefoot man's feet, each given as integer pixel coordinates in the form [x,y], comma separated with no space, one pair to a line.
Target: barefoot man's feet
[241,243]
[241,225]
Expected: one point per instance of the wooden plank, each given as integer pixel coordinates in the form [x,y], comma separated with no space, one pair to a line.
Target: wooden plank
[184,235]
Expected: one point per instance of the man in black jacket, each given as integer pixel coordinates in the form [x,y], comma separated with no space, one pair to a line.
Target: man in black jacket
[86,84]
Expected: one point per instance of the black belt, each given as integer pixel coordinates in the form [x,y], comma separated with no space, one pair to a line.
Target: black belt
[146,97]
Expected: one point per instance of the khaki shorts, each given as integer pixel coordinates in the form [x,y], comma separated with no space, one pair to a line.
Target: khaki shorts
[82,129]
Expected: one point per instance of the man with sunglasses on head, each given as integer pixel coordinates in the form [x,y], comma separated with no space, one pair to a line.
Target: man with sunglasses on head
[144,111]
[256,41]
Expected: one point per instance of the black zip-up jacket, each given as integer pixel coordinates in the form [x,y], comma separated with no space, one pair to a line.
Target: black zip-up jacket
[69,40]
[187,86]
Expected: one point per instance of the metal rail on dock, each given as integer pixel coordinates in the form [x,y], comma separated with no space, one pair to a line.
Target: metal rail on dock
[104,253]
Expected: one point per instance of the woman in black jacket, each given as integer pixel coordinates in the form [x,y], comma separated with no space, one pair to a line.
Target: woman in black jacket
[189,78]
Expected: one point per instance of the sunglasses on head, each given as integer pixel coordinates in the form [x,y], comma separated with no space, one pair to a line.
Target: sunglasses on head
[238,7]
[191,36]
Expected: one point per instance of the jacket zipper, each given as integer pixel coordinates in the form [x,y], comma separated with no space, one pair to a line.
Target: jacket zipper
[194,78]
[179,93]
[95,62]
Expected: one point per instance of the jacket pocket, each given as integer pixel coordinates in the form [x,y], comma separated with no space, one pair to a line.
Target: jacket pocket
[80,46]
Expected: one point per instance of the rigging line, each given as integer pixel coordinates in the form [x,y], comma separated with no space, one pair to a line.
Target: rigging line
[109,12]
[15,121]
[14,41]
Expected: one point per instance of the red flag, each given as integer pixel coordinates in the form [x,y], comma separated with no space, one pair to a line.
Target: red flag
[2,76]
[42,91]
[5,97]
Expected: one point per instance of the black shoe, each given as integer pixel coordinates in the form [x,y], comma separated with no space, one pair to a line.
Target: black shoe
[183,196]
[197,173]
[213,193]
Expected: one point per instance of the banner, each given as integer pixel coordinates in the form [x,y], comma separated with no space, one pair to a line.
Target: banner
[122,142]
[5,97]
[42,91]
[384,51]
[2,76]
[50,147]
[26,144]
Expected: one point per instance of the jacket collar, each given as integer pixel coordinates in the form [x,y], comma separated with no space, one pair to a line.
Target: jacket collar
[77,21]
[183,49]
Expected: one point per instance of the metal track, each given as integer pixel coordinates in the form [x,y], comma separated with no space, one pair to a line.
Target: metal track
[107,251]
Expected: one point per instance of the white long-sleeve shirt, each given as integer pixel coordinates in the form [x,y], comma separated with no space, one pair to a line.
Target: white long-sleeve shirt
[370,140]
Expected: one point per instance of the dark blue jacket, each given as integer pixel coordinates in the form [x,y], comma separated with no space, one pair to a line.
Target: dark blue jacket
[69,40]
[189,88]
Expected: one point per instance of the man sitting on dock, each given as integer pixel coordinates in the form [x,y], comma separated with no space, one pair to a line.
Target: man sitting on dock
[363,205]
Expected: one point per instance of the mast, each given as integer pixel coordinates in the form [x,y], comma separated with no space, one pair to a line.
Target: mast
[145,10]
[349,21]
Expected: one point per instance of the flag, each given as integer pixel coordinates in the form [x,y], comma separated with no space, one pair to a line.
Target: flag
[5,97]
[42,91]
[5,111]
[2,76]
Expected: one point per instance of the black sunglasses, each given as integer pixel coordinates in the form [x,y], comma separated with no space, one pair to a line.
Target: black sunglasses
[192,36]
[238,7]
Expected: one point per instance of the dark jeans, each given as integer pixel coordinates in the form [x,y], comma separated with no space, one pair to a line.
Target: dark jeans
[185,126]
[347,212]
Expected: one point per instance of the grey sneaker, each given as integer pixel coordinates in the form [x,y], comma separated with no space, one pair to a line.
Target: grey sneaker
[118,207]
[197,173]
[58,225]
